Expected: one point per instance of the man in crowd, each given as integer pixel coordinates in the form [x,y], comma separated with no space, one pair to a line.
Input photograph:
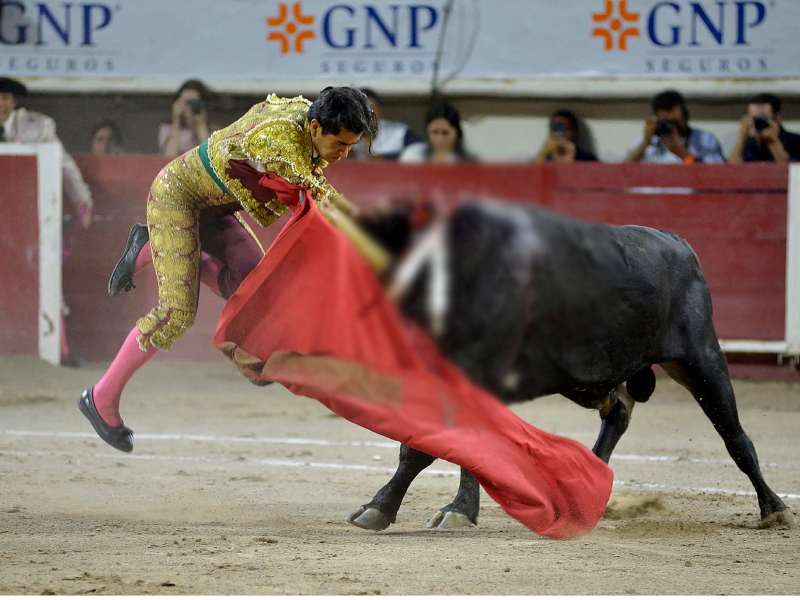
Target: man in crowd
[392,138]
[20,125]
[762,136]
[562,143]
[668,138]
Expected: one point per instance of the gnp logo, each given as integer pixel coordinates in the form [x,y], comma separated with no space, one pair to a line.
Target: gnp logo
[720,37]
[397,39]
[41,38]
[286,29]
[620,25]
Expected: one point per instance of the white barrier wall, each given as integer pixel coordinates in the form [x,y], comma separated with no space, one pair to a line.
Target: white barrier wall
[49,206]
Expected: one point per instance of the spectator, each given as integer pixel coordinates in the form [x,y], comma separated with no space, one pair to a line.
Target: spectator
[107,139]
[189,127]
[392,136]
[761,135]
[20,125]
[562,143]
[445,140]
[669,139]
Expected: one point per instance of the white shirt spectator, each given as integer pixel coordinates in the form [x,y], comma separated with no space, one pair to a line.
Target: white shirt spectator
[29,127]
[392,139]
[703,144]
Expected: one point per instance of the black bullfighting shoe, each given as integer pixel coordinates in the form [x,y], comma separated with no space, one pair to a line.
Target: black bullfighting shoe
[120,436]
[122,275]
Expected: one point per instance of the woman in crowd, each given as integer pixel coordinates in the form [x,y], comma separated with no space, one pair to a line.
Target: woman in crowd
[444,138]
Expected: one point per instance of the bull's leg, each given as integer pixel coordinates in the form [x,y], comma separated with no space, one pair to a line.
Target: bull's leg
[382,510]
[615,412]
[706,377]
[463,510]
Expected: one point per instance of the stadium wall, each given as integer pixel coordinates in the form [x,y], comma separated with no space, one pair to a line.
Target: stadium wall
[735,219]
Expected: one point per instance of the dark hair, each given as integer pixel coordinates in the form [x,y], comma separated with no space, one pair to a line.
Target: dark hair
[116,134]
[445,110]
[668,100]
[770,99]
[569,116]
[12,86]
[339,108]
[194,84]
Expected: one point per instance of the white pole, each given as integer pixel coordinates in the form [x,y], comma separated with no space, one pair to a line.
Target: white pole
[48,166]
[793,267]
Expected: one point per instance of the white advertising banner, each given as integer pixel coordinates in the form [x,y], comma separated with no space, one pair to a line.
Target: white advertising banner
[399,39]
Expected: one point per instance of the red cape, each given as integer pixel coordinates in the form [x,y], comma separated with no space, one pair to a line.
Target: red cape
[313,317]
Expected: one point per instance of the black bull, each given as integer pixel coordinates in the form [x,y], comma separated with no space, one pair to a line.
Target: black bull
[543,304]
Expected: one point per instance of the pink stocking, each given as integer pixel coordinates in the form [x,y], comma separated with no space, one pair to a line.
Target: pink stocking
[210,269]
[144,258]
[64,345]
[108,390]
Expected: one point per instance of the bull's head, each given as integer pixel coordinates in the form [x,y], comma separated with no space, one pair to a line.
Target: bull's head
[409,230]
[396,224]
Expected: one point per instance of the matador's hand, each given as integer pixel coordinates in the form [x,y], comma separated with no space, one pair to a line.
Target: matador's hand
[344,205]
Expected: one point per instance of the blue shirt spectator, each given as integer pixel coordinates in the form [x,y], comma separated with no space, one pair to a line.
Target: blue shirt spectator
[392,138]
[669,139]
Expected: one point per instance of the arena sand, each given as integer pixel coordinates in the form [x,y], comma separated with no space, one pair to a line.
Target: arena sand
[234,489]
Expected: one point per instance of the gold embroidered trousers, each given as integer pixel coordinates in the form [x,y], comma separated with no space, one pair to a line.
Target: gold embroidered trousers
[186,206]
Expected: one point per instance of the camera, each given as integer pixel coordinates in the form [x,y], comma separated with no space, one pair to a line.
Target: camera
[558,128]
[663,127]
[761,123]
[197,105]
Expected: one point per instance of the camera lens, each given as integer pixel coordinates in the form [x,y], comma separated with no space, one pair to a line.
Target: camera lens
[663,127]
[760,123]
[197,105]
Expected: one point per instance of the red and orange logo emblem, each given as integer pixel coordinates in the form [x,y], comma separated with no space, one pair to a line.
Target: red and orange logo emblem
[290,31]
[619,25]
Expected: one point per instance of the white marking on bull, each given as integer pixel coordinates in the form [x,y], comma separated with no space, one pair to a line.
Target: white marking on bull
[431,251]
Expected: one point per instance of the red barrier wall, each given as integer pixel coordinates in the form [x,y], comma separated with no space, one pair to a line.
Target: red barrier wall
[735,219]
[19,248]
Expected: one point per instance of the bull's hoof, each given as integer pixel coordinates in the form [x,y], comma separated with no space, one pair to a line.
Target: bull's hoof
[370,518]
[450,520]
[782,518]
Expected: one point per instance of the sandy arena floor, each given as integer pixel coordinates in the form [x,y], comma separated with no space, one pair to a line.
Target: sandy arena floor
[234,489]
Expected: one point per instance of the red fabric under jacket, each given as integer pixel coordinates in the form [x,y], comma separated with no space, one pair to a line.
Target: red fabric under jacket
[313,317]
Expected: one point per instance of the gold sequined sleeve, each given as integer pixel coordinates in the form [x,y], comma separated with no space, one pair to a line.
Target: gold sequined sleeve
[283,146]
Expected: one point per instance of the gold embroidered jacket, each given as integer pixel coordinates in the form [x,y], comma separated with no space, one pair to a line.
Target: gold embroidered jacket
[274,135]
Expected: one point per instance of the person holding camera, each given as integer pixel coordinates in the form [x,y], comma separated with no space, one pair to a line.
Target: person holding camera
[669,139]
[562,143]
[189,127]
[762,138]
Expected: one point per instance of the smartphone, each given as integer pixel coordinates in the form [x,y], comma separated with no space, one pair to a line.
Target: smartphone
[558,128]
